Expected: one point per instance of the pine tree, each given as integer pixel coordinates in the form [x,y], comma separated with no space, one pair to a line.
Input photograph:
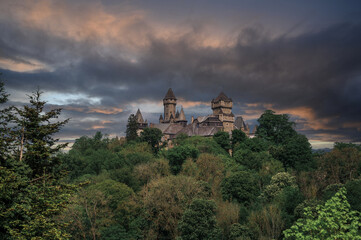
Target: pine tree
[132,127]
[37,146]
[32,194]
[5,116]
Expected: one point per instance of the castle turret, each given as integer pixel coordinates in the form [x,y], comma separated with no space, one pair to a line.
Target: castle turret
[140,121]
[169,102]
[222,107]
[182,118]
[139,117]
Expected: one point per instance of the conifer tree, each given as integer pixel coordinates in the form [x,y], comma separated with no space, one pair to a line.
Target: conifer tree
[5,137]
[35,135]
[31,193]
[132,127]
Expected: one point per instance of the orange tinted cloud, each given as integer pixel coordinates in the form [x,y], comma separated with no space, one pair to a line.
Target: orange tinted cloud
[96,127]
[188,104]
[24,66]
[129,27]
[308,114]
[103,110]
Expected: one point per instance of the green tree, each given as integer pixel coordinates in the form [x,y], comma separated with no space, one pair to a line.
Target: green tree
[32,191]
[152,136]
[199,221]
[240,186]
[222,138]
[178,155]
[36,128]
[165,200]
[275,127]
[238,136]
[333,220]
[295,153]
[278,183]
[5,130]
[252,160]
[132,127]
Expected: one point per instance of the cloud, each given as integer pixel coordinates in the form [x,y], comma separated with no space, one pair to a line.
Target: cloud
[125,60]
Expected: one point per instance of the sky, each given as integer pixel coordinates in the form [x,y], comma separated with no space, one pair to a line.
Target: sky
[102,60]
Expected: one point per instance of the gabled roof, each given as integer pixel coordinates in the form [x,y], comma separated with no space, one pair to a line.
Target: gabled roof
[169,128]
[139,116]
[222,97]
[169,95]
[195,130]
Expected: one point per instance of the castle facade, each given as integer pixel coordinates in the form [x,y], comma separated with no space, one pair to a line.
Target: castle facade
[173,122]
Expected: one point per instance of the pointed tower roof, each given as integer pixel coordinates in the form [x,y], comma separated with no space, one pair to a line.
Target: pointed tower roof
[177,114]
[139,116]
[222,97]
[169,95]
[161,117]
[182,116]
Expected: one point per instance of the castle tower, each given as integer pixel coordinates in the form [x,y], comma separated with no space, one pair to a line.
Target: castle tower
[222,107]
[140,121]
[169,102]
[182,118]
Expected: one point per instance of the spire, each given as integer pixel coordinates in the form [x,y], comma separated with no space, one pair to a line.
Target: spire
[177,114]
[182,116]
[222,97]
[161,117]
[169,95]
[139,116]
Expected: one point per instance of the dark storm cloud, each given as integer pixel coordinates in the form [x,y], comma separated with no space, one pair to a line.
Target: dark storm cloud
[318,70]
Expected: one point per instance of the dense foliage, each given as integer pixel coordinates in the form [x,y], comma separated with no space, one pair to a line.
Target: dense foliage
[228,186]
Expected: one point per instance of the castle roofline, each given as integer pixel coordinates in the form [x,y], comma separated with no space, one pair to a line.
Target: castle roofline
[169,95]
[139,117]
[222,97]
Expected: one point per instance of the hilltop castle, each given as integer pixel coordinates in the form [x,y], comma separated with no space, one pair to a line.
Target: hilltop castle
[173,122]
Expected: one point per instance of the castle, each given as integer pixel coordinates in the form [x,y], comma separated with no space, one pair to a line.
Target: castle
[173,122]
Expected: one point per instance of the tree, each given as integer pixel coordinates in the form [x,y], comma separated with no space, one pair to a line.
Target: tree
[278,183]
[32,191]
[240,186]
[238,136]
[210,170]
[252,160]
[165,200]
[275,128]
[333,220]
[152,136]
[340,165]
[35,130]
[5,131]
[267,222]
[199,221]
[178,155]
[222,138]
[295,153]
[132,127]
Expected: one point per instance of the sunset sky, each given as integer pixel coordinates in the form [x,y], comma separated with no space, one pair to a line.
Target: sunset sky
[102,60]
